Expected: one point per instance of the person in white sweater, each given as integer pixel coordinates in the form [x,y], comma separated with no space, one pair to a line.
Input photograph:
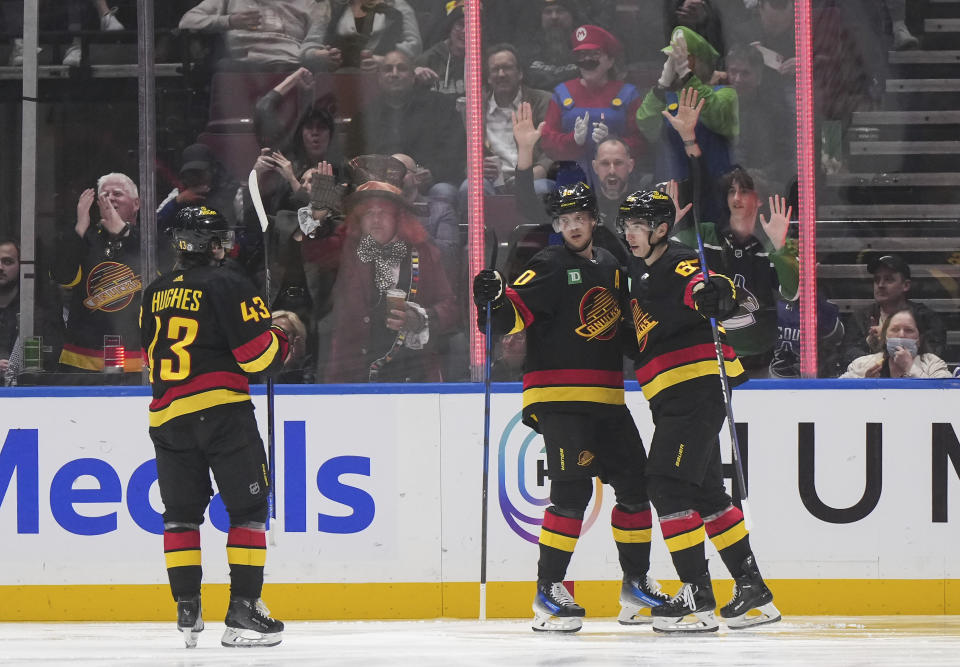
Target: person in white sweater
[261,32]
[903,354]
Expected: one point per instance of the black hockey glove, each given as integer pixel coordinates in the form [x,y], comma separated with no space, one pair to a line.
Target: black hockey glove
[717,298]
[487,287]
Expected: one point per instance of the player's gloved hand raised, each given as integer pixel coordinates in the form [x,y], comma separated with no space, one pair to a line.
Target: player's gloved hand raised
[717,298]
[487,287]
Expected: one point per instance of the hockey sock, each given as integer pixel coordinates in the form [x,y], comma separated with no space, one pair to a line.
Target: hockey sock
[558,538]
[246,554]
[631,532]
[181,547]
[683,534]
[729,535]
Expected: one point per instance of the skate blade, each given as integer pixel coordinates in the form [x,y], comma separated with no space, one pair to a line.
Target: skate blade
[754,617]
[549,623]
[243,638]
[703,621]
[632,614]
[191,635]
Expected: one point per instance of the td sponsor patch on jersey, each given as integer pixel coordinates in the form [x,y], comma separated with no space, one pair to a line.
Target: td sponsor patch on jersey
[574,277]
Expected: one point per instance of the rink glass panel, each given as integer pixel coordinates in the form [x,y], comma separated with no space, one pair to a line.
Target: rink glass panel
[87,125]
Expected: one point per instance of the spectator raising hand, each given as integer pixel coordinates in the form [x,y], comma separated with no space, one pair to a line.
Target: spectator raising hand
[526,134]
[672,190]
[776,227]
[685,120]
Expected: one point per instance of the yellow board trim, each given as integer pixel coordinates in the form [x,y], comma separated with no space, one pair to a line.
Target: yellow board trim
[686,540]
[184,406]
[631,536]
[245,556]
[183,558]
[731,535]
[505,599]
[556,541]
[688,372]
[576,394]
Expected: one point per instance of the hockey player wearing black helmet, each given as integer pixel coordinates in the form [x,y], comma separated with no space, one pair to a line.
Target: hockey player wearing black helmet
[570,300]
[204,329]
[645,211]
[202,232]
[676,365]
[574,211]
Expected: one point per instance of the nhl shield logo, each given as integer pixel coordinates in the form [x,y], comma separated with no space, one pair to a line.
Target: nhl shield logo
[255,488]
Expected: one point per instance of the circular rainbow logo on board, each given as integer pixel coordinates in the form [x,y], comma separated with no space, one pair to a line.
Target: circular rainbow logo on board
[523,488]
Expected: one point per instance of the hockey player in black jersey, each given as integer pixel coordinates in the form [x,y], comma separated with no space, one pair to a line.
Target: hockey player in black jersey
[677,367]
[570,299]
[204,328]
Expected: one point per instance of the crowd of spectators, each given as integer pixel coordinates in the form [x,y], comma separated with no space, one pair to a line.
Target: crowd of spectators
[365,188]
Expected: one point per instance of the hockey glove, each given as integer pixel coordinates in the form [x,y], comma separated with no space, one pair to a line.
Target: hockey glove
[717,298]
[487,287]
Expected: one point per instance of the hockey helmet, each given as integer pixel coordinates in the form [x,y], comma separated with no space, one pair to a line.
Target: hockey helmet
[196,227]
[652,206]
[571,198]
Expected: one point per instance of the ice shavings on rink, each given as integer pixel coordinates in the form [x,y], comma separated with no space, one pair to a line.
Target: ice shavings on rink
[801,640]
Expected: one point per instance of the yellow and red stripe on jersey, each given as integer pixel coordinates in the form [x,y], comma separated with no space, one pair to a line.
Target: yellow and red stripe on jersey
[246,547]
[573,384]
[687,363]
[182,549]
[90,359]
[523,317]
[682,532]
[631,527]
[203,391]
[727,528]
[560,532]
[257,354]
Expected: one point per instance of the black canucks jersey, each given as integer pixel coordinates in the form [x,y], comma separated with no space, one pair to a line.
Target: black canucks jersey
[571,308]
[675,341]
[202,330]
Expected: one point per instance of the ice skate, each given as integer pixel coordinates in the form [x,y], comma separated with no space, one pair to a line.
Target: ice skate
[752,602]
[690,610]
[638,593]
[554,610]
[249,624]
[190,620]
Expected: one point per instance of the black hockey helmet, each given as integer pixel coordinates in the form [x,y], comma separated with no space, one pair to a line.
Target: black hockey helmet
[571,198]
[196,227]
[653,206]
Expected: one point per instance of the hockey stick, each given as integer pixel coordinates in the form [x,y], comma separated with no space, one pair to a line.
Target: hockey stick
[694,166]
[487,365]
[254,187]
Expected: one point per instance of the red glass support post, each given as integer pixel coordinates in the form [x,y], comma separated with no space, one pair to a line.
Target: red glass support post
[806,175]
[473,75]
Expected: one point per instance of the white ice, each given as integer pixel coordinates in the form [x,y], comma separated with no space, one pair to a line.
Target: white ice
[800,640]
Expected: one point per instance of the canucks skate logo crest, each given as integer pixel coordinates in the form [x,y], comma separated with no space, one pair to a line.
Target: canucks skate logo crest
[523,490]
[642,322]
[599,314]
[111,286]
[747,305]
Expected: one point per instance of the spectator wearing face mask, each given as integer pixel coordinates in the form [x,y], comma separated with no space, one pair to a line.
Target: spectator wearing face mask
[904,353]
[586,110]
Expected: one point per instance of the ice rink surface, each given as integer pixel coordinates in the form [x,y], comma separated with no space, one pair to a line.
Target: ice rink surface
[801,640]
